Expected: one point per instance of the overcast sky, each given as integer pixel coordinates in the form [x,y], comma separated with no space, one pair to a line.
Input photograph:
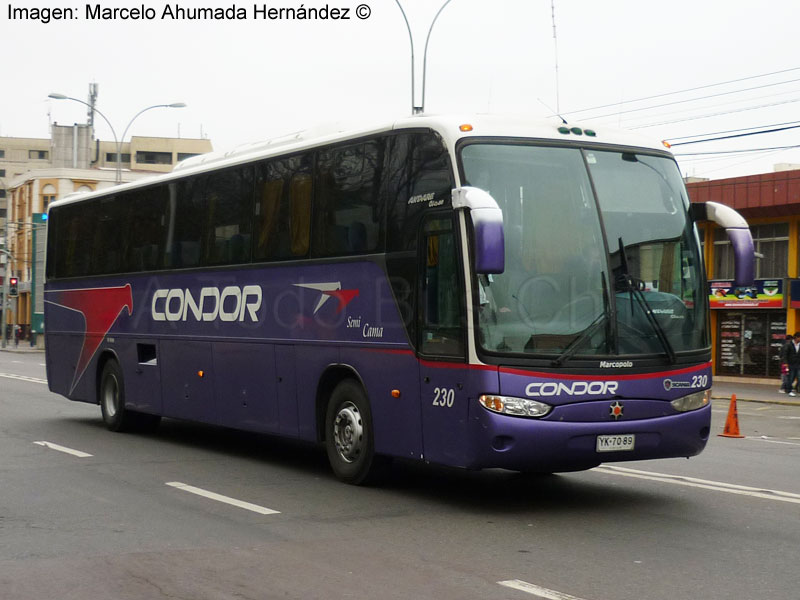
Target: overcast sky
[252,79]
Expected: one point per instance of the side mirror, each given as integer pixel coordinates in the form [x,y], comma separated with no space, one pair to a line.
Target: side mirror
[487,226]
[744,254]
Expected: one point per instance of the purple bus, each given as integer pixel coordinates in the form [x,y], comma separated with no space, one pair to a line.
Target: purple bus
[478,292]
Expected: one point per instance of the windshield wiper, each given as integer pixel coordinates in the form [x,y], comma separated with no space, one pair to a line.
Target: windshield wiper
[605,316]
[633,288]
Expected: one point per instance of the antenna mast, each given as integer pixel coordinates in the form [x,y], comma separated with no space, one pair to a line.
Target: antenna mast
[555,45]
[91,104]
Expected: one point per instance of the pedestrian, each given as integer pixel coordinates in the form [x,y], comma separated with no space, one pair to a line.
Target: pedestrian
[793,360]
[785,388]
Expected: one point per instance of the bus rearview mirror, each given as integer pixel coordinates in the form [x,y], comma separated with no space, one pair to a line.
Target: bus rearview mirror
[488,240]
[738,231]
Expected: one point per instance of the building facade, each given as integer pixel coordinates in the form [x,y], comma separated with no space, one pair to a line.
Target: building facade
[36,172]
[749,326]
[29,196]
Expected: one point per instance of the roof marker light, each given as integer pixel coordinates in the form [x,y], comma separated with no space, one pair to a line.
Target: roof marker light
[590,132]
[577,130]
[564,130]
[666,144]
[465,127]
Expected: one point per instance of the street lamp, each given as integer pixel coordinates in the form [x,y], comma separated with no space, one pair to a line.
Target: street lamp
[117,141]
[9,258]
[421,108]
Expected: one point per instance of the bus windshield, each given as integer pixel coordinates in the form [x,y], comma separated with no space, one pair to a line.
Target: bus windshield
[601,259]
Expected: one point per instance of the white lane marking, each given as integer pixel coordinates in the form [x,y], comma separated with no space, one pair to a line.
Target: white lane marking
[717,486]
[535,590]
[789,417]
[769,441]
[220,498]
[23,378]
[64,449]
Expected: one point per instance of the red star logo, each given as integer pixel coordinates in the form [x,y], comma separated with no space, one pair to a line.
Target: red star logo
[616,411]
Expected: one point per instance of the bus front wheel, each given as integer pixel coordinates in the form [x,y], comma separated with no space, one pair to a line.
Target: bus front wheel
[112,398]
[112,403]
[349,438]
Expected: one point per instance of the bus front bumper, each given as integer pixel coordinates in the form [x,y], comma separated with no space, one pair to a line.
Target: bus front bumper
[542,445]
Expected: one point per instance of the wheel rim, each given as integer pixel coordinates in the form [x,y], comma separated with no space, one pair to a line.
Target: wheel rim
[111,396]
[348,432]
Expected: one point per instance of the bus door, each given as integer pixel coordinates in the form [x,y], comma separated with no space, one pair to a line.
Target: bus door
[442,345]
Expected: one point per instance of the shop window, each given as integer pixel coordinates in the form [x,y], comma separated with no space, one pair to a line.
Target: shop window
[750,343]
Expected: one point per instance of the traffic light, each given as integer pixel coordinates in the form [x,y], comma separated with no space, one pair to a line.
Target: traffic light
[13,287]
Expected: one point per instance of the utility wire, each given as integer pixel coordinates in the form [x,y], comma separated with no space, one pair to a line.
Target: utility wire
[674,102]
[717,114]
[719,105]
[694,89]
[686,137]
[738,135]
[737,151]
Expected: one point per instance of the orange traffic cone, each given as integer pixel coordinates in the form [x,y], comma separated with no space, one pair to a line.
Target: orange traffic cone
[732,422]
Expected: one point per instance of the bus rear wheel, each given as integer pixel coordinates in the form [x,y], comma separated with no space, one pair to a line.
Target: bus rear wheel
[349,438]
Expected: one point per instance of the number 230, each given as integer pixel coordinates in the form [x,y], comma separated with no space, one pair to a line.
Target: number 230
[444,397]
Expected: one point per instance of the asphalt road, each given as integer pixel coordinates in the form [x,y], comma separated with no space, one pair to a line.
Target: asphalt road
[196,512]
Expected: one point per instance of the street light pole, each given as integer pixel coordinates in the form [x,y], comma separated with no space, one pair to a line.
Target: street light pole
[418,109]
[117,141]
[425,54]
[9,258]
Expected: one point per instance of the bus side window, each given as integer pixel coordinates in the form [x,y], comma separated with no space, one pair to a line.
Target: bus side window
[301,190]
[189,220]
[148,228]
[418,176]
[283,208]
[109,236]
[229,197]
[347,219]
[73,246]
[440,305]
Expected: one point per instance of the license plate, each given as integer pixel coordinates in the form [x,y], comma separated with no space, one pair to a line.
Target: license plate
[615,443]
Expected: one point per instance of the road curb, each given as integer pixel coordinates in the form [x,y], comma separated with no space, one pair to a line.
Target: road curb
[759,400]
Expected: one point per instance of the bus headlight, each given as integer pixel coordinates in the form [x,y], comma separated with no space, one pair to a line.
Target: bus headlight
[518,407]
[692,401]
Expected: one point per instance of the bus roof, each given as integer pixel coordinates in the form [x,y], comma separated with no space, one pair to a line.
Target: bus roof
[451,127]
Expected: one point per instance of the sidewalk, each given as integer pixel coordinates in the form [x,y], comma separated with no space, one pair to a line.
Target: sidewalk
[753,392]
[22,348]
